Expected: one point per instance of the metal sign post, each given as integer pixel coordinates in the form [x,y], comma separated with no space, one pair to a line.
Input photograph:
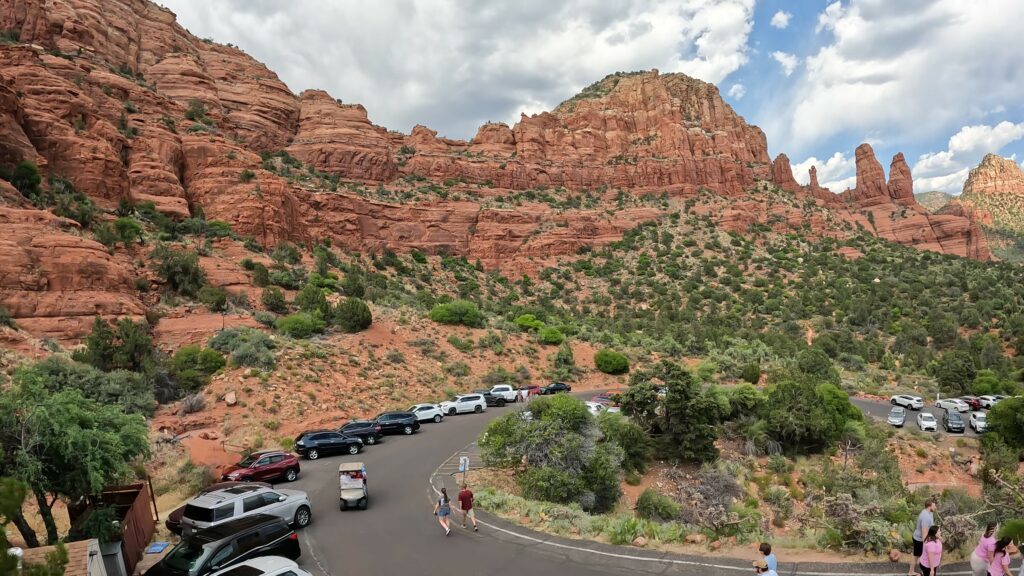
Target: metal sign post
[463,467]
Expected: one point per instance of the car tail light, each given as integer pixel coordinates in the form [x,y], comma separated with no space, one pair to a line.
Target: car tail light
[293,536]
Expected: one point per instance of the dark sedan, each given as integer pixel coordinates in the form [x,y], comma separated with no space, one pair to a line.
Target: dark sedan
[317,443]
[556,388]
[367,430]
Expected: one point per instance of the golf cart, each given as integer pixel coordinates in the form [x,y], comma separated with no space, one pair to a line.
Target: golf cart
[352,485]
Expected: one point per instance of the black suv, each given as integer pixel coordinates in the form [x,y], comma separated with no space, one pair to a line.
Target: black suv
[491,399]
[555,388]
[316,443]
[366,430]
[398,422]
[226,544]
[952,422]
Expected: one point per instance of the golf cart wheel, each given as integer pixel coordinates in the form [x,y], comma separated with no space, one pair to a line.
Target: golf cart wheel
[342,505]
[437,418]
[363,503]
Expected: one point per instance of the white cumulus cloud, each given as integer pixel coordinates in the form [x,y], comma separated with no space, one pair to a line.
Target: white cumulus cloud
[781,20]
[908,72]
[452,65]
[946,170]
[737,91]
[838,167]
[787,61]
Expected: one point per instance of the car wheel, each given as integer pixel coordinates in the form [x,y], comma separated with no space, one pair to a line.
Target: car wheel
[407,430]
[477,409]
[371,440]
[303,516]
[451,411]
[501,403]
[313,454]
[291,474]
[353,449]
[437,418]
[892,401]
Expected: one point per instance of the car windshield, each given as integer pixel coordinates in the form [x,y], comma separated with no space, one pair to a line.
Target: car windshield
[954,417]
[897,412]
[927,417]
[186,556]
[246,462]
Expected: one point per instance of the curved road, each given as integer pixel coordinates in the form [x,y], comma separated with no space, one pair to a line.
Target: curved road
[398,535]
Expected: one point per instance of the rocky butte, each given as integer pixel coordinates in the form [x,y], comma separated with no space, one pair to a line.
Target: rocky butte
[118,99]
[993,194]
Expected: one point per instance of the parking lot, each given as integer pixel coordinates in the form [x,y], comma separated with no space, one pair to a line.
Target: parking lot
[880,410]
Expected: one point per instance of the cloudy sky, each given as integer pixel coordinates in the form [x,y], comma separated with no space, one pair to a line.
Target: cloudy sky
[939,80]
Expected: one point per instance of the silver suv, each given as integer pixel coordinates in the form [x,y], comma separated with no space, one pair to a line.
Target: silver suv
[219,506]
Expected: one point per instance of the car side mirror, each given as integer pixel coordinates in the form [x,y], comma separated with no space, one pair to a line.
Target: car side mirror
[282,498]
[215,567]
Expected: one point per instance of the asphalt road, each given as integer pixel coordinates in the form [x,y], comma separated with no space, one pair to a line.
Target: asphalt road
[399,535]
[880,410]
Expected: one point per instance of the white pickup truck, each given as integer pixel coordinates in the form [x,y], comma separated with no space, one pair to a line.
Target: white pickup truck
[506,392]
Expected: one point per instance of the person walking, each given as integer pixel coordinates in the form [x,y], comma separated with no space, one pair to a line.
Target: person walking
[443,509]
[983,552]
[465,499]
[931,555]
[924,521]
[769,558]
[1000,564]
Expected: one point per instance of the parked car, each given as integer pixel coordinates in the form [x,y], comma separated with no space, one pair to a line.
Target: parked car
[398,423]
[926,422]
[228,544]
[897,416]
[316,443]
[989,401]
[973,401]
[264,566]
[530,391]
[366,430]
[265,466]
[507,392]
[491,399]
[953,422]
[556,388]
[595,408]
[464,403]
[953,405]
[978,422]
[173,522]
[427,412]
[216,508]
[907,401]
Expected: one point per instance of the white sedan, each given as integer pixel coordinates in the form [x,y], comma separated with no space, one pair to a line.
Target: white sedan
[954,404]
[427,412]
[907,401]
[596,408]
[264,566]
[926,422]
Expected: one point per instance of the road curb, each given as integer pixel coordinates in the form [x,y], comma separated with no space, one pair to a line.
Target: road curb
[443,476]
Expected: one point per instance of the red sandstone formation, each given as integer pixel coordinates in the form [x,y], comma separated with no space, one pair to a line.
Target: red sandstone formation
[993,195]
[782,174]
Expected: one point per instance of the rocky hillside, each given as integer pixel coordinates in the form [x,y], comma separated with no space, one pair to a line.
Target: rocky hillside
[933,201]
[115,101]
[994,194]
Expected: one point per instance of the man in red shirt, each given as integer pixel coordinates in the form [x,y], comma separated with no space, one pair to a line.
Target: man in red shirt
[466,505]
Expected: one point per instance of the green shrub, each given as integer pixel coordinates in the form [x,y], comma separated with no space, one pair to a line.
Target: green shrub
[653,505]
[635,443]
[273,300]
[246,175]
[312,299]
[461,312]
[550,336]
[128,230]
[213,297]
[623,530]
[265,318]
[179,269]
[460,344]
[260,275]
[192,366]
[26,179]
[611,362]
[218,229]
[301,325]
[6,319]
[751,373]
[246,347]
[352,315]
[550,485]
[528,322]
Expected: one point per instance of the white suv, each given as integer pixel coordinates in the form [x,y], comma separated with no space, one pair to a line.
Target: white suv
[464,403]
[907,401]
[427,412]
[219,506]
[978,422]
[926,422]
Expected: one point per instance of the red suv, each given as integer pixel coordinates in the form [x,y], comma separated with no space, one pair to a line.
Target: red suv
[264,466]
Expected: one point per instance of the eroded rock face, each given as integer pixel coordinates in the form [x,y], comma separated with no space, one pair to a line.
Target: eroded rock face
[993,193]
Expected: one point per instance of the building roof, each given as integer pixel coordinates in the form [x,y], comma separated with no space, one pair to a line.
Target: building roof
[78,556]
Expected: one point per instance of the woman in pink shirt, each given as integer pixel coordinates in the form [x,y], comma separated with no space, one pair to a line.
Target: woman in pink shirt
[983,553]
[1000,564]
[931,556]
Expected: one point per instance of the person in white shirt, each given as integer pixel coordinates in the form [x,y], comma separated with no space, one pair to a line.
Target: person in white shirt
[761,568]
